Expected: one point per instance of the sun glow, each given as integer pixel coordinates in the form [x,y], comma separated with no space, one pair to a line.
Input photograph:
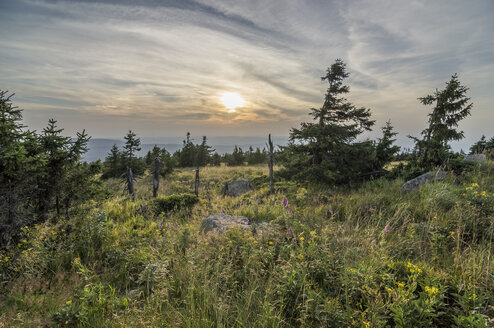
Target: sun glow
[232,100]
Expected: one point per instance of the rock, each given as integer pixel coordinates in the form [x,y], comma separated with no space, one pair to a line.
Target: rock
[475,158]
[419,181]
[237,187]
[221,222]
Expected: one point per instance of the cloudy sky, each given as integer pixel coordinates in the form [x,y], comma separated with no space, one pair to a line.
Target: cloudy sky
[160,67]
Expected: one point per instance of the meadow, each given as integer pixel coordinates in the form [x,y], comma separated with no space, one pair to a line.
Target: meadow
[318,256]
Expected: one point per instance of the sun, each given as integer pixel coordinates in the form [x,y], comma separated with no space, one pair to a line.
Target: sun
[232,100]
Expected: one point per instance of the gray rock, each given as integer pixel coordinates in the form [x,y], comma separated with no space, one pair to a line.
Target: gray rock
[237,187]
[475,158]
[419,181]
[221,222]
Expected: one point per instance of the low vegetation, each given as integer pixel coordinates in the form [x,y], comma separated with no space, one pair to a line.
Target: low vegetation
[372,257]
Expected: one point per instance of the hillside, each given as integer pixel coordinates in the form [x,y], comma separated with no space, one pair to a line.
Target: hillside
[371,257]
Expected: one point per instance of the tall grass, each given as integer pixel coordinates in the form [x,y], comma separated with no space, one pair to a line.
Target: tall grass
[371,257]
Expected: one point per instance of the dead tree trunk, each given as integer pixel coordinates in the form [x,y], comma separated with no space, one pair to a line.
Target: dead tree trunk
[130,184]
[270,164]
[197,183]
[156,177]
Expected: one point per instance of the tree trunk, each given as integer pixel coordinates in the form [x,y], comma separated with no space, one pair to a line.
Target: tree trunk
[270,164]
[197,183]
[57,204]
[130,184]
[156,177]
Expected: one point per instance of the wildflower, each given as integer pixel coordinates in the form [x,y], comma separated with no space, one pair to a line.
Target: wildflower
[290,211]
[285,202]
[387,228]
[300,256]
[270,243]
[222,211]
[475,185]
[400,284]
[313,233]
[432,291]
[302,238]
[468,188]
[6,259]
[367,324]
[331,209]
[161,226]
[389,289]
[290,232]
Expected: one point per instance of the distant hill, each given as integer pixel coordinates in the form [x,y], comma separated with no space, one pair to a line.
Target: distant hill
[99,147]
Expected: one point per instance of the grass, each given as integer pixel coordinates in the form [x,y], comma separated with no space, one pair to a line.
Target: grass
[328,262]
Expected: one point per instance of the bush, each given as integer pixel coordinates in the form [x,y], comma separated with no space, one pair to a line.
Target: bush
[173,203]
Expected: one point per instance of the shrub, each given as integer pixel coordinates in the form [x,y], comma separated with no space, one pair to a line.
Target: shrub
[173,203]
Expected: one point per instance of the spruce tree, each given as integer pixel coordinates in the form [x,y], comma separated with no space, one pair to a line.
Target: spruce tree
[385,150]
[325,150]
[114,165]
[451,105]
[131,146]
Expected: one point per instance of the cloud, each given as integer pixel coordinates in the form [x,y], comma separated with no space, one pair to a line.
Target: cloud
[164,64]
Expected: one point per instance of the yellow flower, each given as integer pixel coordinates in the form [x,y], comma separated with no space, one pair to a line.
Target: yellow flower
[400,284]
[301,256]
[475,185]
[432,291]
[302,238]
[389,289]
[313,233]
[367,324]
[468,188]
[6,258]
[270,243]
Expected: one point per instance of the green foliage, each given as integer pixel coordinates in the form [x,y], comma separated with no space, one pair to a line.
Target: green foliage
[38,173]
[324,151]
[451,105]
[131,146]
[193,155]
[173,203]
[385,150]
[167,162]
[114,164]
[483,146]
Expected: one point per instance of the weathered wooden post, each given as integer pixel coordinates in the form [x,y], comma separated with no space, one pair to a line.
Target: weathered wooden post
[270,164]
[197,183]
[130,184]
[156,176]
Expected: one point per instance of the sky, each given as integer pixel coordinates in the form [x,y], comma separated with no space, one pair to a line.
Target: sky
[161,67]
